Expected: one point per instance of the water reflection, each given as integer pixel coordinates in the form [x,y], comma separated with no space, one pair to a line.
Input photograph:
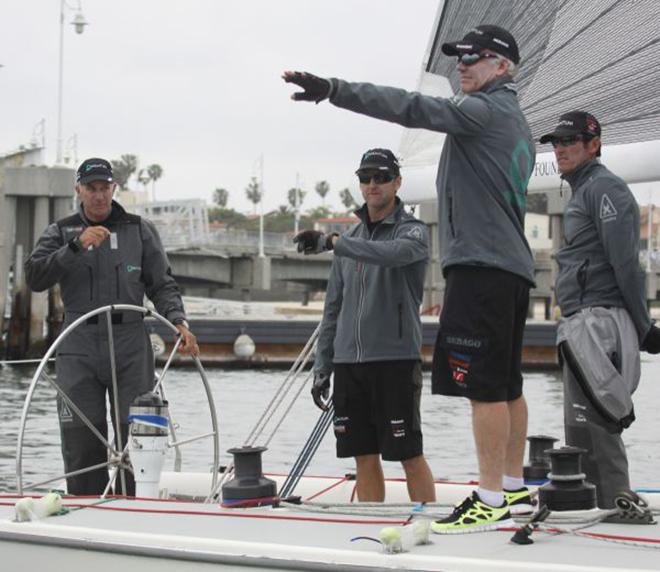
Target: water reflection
[242,395]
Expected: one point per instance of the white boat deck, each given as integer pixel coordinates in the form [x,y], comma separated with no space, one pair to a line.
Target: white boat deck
[188,535]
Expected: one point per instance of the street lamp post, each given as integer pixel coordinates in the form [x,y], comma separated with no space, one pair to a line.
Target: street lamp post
[79,24]
[261,210]
[296,206]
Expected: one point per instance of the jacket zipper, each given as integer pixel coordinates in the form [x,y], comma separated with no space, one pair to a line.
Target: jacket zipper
[361,305]
[582,278]
[117,280]
[91,283]
[451,215]
[400,320]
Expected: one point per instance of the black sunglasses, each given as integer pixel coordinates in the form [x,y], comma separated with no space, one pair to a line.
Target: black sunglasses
[567,140]
[379,177]
[471,59]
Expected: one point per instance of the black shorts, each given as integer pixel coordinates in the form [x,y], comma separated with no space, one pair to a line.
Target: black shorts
[377,409]
[478,351]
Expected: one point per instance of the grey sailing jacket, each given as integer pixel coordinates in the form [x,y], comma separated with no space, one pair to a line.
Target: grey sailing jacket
[374,293]
[484,168]
[599,264]
[122,270]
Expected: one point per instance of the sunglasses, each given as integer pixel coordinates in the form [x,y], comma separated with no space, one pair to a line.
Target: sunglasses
[379,177]
[471,59]
[567,140]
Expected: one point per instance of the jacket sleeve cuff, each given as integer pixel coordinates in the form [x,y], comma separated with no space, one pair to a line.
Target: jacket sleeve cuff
[176,316]
[334,86]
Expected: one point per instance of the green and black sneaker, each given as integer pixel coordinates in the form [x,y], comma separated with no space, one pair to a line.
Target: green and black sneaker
[473,515]
[520,501]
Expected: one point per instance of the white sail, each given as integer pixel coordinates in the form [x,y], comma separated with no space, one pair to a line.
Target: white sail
[598,56]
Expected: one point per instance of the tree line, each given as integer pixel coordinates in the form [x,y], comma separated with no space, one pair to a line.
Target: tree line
[281,219]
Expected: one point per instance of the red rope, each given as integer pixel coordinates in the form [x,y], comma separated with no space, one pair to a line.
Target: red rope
[326,489]
[242,515]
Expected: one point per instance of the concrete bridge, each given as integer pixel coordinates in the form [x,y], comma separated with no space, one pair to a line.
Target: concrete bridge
[208,270]
[212,271]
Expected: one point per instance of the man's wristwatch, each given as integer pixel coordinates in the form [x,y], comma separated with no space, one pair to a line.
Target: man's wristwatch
[74,244]
[181,322]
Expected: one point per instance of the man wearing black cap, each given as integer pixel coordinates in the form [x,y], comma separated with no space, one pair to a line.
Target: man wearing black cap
[600,290]
[484,168]
[100,256]
[371,333]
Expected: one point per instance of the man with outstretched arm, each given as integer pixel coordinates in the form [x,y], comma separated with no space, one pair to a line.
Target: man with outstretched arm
[600,290]
[371,333]
[486,162]
[99,256]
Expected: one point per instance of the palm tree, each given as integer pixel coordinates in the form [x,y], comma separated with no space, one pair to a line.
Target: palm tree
[220,197]
[120,174]
[347,199]
[291,196]
[155,172]
[131,162]
[253,192]
[322,188]
[123,168]
[144,178]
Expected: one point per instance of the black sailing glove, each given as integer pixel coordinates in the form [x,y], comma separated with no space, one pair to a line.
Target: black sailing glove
[651,341]
[313,241]
[315,88]
[320,390]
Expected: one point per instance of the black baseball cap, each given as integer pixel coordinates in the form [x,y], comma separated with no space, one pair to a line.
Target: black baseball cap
[574,123]
[485,37]
[94,169]
[380,159]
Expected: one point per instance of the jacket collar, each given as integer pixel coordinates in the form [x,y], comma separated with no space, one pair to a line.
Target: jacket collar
[503,82]
[363,214]
[116,213]
[581,174]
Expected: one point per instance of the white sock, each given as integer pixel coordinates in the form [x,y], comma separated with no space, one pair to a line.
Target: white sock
[512,483]
[491,498]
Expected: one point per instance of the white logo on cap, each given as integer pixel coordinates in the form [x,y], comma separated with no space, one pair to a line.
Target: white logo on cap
[498,41]
[565,122]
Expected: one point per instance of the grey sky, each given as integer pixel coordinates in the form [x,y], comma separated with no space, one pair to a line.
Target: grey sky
[195,85]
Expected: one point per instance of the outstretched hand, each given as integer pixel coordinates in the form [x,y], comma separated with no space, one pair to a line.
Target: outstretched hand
[314,242]
[315,88]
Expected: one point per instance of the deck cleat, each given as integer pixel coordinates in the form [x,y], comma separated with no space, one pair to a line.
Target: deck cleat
[524,533]
[631,509]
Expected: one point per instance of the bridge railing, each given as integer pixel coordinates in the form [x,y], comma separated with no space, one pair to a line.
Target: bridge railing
[230,239]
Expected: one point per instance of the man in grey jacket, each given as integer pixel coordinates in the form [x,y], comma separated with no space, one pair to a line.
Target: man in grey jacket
[99,256]
[600,290]
[482,178]
[371,333]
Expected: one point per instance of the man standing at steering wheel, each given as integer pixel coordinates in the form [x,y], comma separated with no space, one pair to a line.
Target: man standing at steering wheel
[102,255]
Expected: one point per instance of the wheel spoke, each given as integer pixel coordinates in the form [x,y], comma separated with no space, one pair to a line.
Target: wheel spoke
[80,414]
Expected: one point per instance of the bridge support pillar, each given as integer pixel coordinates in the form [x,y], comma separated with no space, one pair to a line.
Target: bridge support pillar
[261,266]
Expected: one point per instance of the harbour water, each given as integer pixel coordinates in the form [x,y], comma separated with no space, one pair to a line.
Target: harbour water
[241,396]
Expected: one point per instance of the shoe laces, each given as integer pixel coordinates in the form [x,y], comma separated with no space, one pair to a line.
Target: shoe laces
[467,503]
